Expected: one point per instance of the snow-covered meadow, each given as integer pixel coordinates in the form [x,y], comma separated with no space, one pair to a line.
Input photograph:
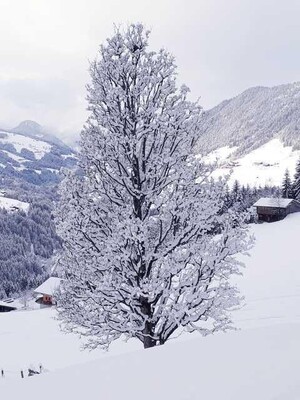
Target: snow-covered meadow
[38,147]
[259,361]
[265,165]
[12,204]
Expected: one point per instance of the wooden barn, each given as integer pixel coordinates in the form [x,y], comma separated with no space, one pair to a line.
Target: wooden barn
[46,291]
[272,209]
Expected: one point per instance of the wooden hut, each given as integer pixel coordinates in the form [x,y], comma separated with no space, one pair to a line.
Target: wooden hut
[45,292]
[272,209]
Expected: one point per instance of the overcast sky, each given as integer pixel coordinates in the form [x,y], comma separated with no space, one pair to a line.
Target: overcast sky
[222,47]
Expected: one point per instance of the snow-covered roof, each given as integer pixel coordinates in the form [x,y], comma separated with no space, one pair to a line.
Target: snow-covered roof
[49,286]
[10,303]
[273,202]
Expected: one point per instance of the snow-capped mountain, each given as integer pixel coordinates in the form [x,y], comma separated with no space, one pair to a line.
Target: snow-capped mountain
[29,154]
[36,131]
[257,133]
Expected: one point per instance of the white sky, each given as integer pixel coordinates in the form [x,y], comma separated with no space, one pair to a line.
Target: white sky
[222,47]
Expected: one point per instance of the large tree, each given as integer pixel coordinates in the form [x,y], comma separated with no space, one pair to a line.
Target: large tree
[147,247]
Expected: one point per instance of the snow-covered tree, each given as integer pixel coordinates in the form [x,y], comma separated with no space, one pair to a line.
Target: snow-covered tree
[296,183]
[147,248]
[287,191]
[236,188]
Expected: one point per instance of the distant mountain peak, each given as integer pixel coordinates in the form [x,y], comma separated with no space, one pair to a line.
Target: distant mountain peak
[36,131]
[31,129]
[30,125]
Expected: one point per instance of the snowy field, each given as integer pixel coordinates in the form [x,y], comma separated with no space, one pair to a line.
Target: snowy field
[38,147]
[259,361]
[31,338]
[12,204]
[263,166]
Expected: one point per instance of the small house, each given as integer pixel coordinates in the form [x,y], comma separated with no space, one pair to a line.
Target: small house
[272,209]
[46,291]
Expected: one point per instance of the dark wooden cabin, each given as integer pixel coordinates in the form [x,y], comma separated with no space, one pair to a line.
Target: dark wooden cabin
[272,209]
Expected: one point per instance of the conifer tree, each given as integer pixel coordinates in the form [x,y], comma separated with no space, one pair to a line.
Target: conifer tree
[296,183]
[236,188]
[140,255]
[287,186]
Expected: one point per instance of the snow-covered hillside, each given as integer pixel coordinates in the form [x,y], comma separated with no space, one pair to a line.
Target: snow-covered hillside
[29,154]
[259,364]
[38,147]
[12,204]
[265,165]
[260,361]
[257,133]
[253,118]
[34,130]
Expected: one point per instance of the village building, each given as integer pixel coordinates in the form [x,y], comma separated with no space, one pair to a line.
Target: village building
[45,293]
[272,209]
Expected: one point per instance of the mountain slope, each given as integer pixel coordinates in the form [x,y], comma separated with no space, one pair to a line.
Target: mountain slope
[36,131]
[265,165]
[30,163]
[253,118]
[29,155]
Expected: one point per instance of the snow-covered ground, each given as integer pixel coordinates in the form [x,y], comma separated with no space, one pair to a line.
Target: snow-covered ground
[33,338]
[263,166]
[38,147]
[12,204]
[260,361]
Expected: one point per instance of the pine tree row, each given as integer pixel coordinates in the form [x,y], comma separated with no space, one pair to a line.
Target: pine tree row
[291,189]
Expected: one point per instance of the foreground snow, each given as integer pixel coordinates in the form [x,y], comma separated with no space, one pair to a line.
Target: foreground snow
[30,338]
[271,281]
[260,361]
[254,364]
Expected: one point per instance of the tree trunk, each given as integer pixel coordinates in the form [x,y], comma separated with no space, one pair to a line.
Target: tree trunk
[148,330]
[148,340]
